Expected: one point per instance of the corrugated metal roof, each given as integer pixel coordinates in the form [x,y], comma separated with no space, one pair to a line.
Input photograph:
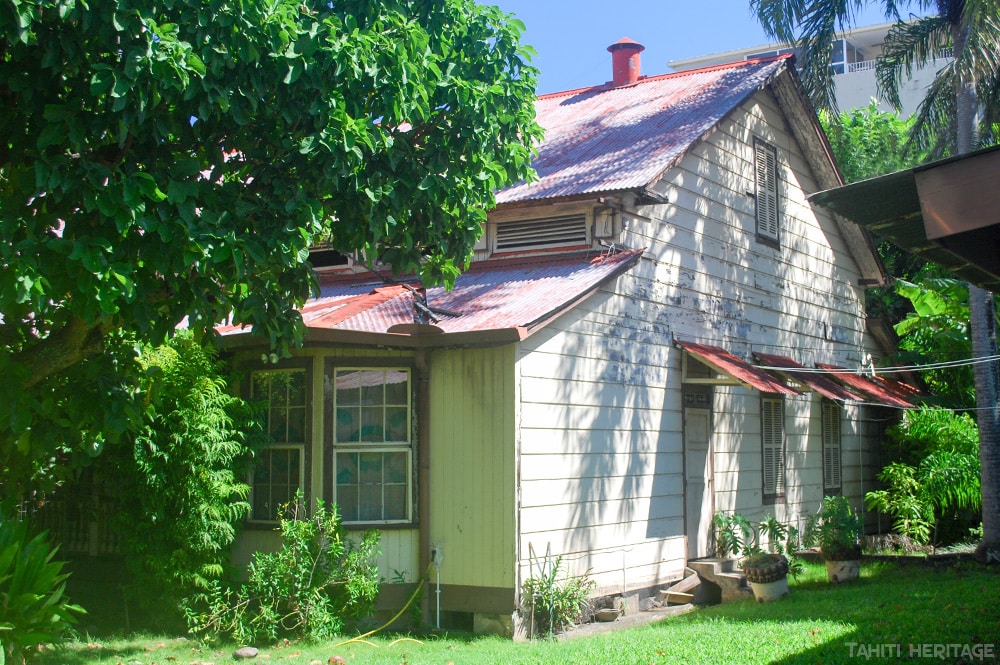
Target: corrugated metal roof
[726,363]
[605,139]
[897,206]
[817,382]
[519,295]
[877,389]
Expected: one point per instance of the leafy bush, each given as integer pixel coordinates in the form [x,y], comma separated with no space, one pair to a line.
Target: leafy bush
[180,489]
[937,331]
[552,604]
[733,534]
[311,588]
[34,608]
[736,536]
[936,477]
[837,529]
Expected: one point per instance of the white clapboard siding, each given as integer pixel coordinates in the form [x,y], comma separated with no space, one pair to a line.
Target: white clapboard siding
[600,422]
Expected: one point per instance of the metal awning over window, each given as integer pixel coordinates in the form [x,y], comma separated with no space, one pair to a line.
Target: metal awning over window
[738,371]
[811,380]
[877,390]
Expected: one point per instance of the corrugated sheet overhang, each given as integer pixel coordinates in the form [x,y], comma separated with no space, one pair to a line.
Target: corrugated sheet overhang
[726,363]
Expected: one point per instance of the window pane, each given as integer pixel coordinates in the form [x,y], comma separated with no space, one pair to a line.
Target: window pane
[275,481]
[296,426]
[371,502]
[348,425]
[396,388]
[261,503]
[348,388]
[373,388]
[395,423]
[371,468]
[296,388]
[372,428]
[395,502]
[347,469]
[395,468]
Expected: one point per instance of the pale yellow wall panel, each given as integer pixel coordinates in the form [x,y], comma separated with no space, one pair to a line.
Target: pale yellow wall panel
[400,555]
[472,465]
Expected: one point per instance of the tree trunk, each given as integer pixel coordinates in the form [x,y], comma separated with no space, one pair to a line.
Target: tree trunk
[982,325]
[982,330]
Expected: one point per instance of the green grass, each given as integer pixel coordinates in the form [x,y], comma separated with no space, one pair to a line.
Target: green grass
[818,623]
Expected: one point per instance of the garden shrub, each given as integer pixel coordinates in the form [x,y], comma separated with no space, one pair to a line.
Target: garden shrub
[34,608]
[552,604]
[180,488]
[313,587]
[932,489]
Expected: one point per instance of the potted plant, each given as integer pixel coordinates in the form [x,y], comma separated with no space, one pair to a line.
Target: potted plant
[837,529]
[766,570]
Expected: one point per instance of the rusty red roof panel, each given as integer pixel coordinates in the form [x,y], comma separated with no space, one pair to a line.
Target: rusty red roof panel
[605,139]
[726,363]
[816,382]
[877,389]
[490,296]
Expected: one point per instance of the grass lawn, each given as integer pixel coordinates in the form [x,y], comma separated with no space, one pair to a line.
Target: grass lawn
[893,613]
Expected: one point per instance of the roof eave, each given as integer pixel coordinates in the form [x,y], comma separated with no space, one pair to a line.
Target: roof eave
[805,126]
[359,339]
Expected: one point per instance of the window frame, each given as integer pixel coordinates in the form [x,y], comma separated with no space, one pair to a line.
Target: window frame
[772,409]
[767,210]
[830,414]
[303,447]
[333,448]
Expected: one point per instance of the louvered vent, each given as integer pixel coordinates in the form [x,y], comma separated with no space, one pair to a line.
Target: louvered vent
[323,255]
[535,234]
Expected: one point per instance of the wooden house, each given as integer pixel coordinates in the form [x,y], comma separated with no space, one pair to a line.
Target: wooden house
[593,387]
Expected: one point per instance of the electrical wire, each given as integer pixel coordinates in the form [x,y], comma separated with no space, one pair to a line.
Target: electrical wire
[884,370]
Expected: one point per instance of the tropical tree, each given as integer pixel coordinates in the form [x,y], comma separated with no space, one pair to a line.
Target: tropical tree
[175,161]
[869,142]
[936,333]
[964,97]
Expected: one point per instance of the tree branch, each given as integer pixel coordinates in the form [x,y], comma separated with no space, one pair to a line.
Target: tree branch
[63,348]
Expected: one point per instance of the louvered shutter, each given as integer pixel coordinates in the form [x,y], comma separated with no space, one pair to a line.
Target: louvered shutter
[831,448]
[766,177]
[772,435]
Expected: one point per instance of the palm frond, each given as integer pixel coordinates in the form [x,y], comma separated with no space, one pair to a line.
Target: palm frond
[934,124]
[778,18]
[909,46]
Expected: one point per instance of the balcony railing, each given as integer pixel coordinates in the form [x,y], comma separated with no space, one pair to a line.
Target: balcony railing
[869,65]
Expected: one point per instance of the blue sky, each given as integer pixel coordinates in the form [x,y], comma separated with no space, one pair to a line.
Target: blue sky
[571,36]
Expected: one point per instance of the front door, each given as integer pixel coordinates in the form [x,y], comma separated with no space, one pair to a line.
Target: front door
[699,501]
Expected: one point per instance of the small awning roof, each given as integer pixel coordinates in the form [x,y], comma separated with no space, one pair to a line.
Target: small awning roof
[877,389]
[726,363]
[802,374]
[947,212]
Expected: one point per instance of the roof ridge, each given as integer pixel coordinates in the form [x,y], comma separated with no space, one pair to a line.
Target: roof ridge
[607,87]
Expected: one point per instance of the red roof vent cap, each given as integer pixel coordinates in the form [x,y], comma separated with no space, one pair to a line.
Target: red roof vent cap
[625,62]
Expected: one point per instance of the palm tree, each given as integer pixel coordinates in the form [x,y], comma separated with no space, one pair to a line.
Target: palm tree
[959,112]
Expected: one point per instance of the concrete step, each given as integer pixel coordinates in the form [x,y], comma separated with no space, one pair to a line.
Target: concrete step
[725,575]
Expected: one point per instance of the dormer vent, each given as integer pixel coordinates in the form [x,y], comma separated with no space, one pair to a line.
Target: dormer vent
[534,234]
